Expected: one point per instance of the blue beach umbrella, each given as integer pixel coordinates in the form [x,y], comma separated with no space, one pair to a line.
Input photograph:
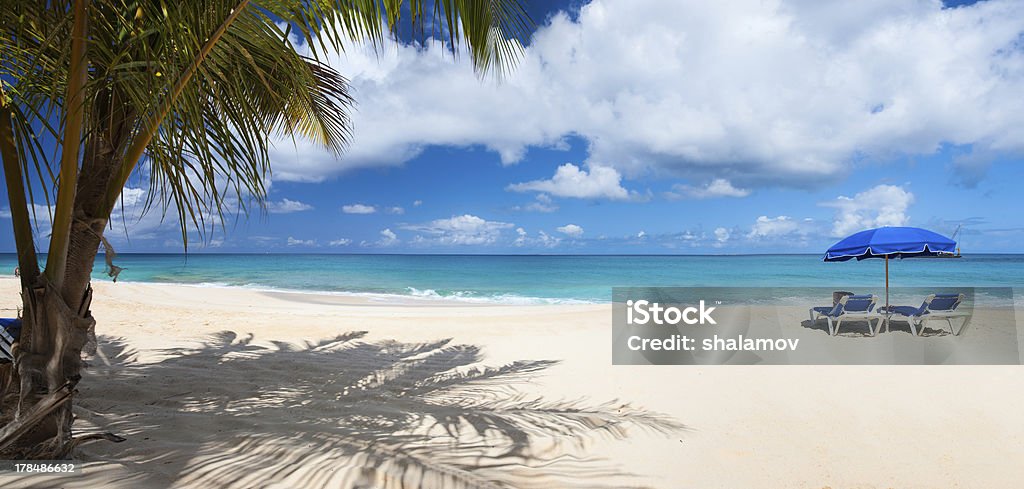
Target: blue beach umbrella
[891,242]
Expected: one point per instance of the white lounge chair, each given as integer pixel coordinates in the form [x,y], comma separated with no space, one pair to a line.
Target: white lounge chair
[9,329]
[935,306]
[848,307]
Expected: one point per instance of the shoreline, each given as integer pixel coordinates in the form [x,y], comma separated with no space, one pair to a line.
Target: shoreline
[365,298]
[429,298]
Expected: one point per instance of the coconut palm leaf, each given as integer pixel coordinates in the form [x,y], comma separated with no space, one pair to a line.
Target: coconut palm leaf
[185,95]
[192,91]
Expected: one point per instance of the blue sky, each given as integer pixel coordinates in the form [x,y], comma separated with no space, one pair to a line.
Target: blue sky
[645,127]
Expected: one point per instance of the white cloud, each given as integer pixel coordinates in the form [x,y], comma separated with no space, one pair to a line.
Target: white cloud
[721,236]
[521,237]
[718,187]
[466,229]
[131,196]
[417,203]
[358,209]
[542,203]
[287,206]
[784,92]
[641,234]
[882,205]
[571,230]
[340,242]
[547,241]
[395,210]
[767,227]
[264,241]
[543,240]
[571,181]
[301,242]
[387,238]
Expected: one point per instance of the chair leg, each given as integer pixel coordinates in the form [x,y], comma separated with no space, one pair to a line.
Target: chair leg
[913,330]
[811,314]
[950,322]
[829,319]
[838,322]
[967,320]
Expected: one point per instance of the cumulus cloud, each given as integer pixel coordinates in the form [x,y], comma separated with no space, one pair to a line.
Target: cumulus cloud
[132,196]
[340,242]
[300,242]
[521,237]
[387,238]
[466,229]
[691,236]
[572,181]
[127,220]
[287,206]
[770,227]
[395,210]
[571,230]
[542,203]
[718,187]
[757,93]
[541,240]
[358,209]
[721,236]
[546,240]
[882,205]
[417,203]
[131,221]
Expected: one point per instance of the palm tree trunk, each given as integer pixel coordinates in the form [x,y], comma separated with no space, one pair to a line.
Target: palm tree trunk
[55,331]
[57,324]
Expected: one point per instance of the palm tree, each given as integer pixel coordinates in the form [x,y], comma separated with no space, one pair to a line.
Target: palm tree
[192,91]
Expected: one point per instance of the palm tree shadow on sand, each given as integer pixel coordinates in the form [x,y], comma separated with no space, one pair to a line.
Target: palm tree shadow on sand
[348,413]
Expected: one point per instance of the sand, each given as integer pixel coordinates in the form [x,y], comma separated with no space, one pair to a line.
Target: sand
[218,387]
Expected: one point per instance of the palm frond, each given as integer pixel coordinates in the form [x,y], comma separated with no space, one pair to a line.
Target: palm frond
[198,88]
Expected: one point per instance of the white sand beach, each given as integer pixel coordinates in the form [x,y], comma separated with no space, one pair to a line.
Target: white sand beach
[219,387]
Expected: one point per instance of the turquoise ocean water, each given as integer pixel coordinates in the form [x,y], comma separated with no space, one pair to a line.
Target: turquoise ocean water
[547,279]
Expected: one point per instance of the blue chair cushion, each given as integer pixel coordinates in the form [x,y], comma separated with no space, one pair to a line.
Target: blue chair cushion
[945,302]
[10,331]
[11,326]
[909,311]
[859,303]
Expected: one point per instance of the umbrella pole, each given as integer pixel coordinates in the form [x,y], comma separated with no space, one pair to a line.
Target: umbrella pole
[886,283]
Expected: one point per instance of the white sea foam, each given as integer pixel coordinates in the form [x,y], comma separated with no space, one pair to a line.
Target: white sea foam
[411,293]
[509,299]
